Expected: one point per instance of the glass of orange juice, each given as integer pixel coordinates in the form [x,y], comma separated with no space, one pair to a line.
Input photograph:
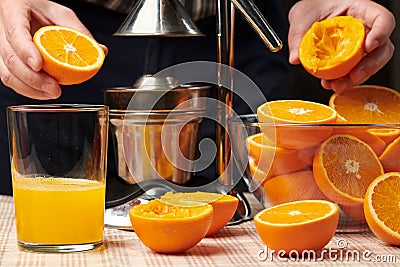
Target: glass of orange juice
[58,164]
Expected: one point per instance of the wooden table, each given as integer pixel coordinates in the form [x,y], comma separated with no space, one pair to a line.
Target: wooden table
[236,245]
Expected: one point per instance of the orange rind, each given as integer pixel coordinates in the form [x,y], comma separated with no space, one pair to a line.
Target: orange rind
[298,226]
[168,228]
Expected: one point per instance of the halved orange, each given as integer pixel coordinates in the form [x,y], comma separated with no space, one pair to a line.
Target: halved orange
[344,166]
[332,47]
[290,187]
[386,134]
[70,56]
[274,160]
[381,207]
[390,158]
[363,133]
[224,206]
[168,228]
[256,173]
[300,225]
[283,122]
[367,104]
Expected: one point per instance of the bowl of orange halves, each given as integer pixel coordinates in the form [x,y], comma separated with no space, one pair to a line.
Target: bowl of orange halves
[346,152]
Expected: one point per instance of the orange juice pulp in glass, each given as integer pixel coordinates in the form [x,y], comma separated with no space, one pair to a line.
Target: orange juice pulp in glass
[59,210]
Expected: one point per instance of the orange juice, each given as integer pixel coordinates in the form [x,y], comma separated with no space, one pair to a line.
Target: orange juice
[59,210]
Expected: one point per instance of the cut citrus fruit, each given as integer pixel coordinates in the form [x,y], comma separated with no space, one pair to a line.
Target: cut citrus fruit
[275,117]
[390,158]
[386,134]
[256,173]
[367,104]
[344,166]
[224,206]
[362,133]
[298,226]
[381,207]
[332,47]
[274,160]
[168,228]
[292,187]
[295,111]
[70,56]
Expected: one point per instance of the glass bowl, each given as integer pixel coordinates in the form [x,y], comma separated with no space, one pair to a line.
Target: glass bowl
[336,162]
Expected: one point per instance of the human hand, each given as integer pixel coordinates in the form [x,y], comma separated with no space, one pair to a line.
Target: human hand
[379,24]
[20,60]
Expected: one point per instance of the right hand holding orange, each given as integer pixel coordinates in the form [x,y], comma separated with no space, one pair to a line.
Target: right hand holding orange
[379,24]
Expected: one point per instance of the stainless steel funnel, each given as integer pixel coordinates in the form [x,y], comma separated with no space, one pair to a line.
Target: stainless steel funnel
[158,18]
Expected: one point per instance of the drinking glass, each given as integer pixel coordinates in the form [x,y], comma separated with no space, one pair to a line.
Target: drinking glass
[58,165]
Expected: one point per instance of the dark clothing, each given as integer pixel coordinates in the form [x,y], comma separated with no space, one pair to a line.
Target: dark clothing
[127,56]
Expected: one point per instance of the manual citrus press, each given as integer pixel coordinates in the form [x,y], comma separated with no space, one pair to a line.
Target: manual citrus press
[168,18]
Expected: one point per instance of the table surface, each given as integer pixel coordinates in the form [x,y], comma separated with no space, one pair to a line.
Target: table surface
[234,245]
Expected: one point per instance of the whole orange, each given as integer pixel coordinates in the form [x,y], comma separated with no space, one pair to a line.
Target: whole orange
[390,158]
[356,212]
[290,187]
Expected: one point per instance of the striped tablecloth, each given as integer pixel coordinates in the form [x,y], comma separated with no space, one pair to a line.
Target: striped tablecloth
[236,245]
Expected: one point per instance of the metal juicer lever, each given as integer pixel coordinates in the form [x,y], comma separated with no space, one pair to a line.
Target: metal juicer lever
[257,21]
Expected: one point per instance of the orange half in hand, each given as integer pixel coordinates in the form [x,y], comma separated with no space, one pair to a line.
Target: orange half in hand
[332,47]
[70,56]
[168,228]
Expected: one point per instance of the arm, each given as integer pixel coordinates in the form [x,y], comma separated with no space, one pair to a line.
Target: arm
[20,61]
[379,23]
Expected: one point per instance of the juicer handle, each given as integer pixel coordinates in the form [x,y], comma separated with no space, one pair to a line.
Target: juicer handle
[257,21]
